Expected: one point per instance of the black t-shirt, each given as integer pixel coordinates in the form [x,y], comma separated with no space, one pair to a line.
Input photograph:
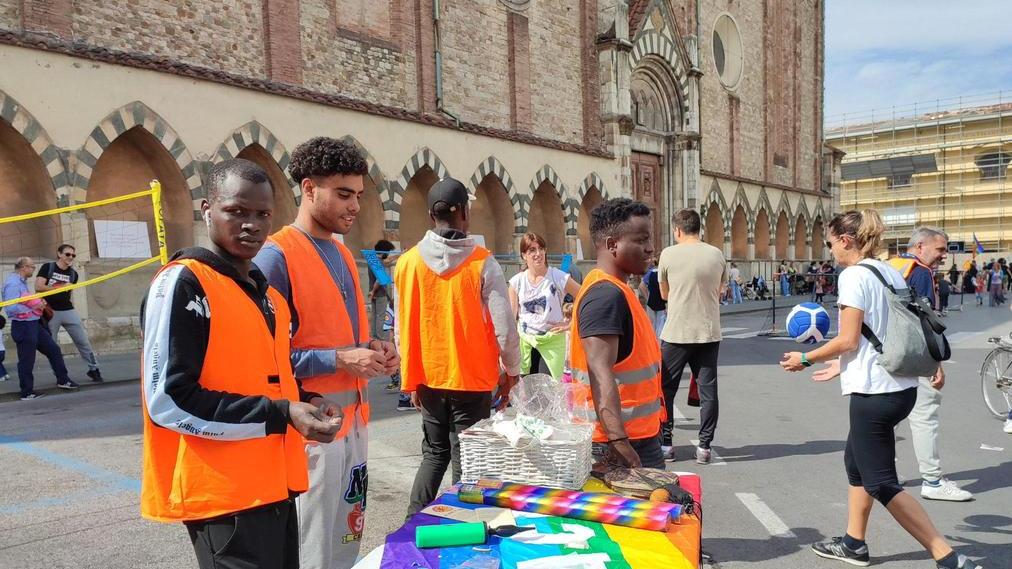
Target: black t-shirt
[654,300]
[603,311]
[53,275]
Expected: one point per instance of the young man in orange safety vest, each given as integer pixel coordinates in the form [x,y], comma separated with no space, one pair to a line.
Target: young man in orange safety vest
[613,349]
[454,327]
[223,413]
[332,352]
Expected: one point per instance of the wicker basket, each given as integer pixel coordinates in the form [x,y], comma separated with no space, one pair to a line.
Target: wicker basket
[485,454]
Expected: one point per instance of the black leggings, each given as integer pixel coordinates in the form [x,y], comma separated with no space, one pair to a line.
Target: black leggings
[870,456]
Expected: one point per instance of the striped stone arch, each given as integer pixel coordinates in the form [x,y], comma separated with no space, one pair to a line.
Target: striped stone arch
[819,213]
[653,43]
[740,199]
[255,133]
[25,124]
[784,206]
[763,203]
[375,172]
[715,197]
[395,191]
[136,114]
[493,166]
[569,214]
[592,181]
[803,212]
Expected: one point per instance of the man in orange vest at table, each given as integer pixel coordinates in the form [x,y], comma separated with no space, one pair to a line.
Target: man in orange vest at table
[454,327]
[613,349]
[222,411]
[331,350]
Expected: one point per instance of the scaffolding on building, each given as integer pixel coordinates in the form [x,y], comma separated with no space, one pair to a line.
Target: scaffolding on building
[942,163]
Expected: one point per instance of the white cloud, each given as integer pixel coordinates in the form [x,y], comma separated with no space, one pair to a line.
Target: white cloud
[881,54]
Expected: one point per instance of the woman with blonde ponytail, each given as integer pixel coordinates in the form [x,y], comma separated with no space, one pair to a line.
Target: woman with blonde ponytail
[878,400]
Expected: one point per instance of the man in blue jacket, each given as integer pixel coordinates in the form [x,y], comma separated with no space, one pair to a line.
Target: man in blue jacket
[925,253]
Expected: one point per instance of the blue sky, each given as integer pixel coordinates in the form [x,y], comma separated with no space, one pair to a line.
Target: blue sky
[881,53]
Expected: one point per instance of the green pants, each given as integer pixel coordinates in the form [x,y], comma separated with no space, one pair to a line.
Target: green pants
[551,346]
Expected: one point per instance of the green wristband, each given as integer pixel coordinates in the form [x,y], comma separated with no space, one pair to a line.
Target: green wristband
[804,360]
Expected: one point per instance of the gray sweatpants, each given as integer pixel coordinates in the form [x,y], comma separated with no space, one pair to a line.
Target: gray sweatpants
[72,323]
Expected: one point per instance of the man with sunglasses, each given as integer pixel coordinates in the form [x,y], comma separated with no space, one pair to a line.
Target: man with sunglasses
[58,274]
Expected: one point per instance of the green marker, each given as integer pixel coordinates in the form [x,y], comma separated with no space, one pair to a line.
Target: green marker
[455,535]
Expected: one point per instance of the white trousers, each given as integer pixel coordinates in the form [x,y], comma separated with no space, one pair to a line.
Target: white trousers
[923,421]
[332,512]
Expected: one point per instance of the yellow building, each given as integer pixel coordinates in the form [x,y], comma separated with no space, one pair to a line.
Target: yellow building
[943,164]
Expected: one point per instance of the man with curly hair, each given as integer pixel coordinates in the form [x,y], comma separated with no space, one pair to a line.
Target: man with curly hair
[332,352]
[614,351]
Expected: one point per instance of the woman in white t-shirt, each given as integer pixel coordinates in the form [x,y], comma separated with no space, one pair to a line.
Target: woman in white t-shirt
[878,400]
[536,294]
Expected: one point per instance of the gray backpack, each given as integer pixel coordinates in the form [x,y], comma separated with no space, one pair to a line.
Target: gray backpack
[915,340]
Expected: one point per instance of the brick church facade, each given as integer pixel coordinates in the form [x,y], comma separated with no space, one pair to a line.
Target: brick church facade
[543,107]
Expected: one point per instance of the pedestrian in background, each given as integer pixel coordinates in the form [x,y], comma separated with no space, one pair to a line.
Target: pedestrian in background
[58,274]
[693,274]
[30,334]
[650,289]
[536,297]
[4,376]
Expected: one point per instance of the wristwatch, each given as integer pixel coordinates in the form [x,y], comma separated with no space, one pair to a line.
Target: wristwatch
[804,360]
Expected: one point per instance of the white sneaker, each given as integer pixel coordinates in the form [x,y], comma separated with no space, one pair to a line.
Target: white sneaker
[947,491]
[7,376]
[1008,426]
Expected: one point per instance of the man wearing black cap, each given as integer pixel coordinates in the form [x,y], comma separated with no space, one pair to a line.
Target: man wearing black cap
[456,333]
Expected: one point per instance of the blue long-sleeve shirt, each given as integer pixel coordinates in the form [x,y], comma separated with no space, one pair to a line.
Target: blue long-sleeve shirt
[921,281]
[271,260]
[16,286]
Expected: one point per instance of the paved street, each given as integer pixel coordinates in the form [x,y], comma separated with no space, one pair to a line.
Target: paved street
[71,465]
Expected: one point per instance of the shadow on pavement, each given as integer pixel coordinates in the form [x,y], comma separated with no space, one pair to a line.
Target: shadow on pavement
[778,450]
[741,550]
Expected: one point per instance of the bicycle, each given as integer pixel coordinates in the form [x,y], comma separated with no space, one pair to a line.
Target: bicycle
[996,378]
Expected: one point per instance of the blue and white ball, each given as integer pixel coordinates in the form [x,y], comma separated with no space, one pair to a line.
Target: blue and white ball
[808,323]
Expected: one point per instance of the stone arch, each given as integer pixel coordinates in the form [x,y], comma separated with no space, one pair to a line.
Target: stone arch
[740,234]
[741,200]
[818,238]
[130,116]
[802,222]
[715,197]
[762,236]
[26,185]
[253,141]
[547,194]
[763,202]
[591,197]
[653,43]
[393,205]
[370,224]
[495,212]
[25,124]
[592,181]
[782,235]
[713,228]
[126,165]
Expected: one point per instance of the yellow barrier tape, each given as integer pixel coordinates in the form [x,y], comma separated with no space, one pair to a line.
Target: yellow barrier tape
[70,208]
[88,282]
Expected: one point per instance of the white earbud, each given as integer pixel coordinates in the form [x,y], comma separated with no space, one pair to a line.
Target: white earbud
[207,218]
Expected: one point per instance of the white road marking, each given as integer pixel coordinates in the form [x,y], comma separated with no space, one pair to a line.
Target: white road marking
[728,330]
[677,414]
[741,336]
[772,522]
[715,459]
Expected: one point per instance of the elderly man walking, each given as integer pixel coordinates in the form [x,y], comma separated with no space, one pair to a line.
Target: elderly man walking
[30,334]
[925,253]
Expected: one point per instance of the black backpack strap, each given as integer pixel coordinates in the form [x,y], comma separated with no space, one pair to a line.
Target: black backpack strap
[871,337]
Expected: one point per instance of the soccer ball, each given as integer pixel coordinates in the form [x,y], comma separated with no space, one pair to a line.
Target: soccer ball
[808,323]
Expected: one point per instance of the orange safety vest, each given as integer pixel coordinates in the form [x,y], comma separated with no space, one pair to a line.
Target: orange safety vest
[638,376]
[446,336]
[324,322]
[186,477]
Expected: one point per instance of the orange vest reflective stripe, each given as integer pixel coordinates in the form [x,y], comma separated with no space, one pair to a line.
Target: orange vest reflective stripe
[324,322]
[638,375]
[187,477]
[446,336]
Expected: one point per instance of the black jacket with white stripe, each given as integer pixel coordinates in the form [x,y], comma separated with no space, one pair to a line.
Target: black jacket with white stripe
[180,319]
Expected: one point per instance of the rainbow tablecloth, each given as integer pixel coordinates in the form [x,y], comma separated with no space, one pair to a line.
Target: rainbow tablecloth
[678,548]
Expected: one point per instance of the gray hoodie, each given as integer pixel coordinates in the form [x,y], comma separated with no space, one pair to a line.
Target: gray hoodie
[443,253]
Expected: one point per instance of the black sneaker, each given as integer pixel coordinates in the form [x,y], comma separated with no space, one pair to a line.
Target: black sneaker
[95,375]
[69,384]
[405,405]
[32,396]
[964,563]
[836,549]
